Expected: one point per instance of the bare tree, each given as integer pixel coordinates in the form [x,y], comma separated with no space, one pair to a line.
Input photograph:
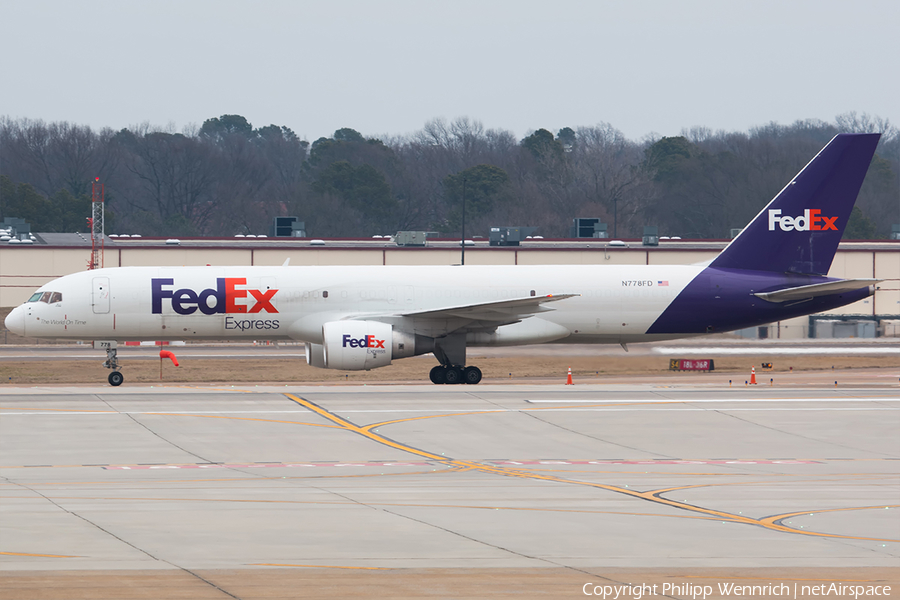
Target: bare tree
[172,180]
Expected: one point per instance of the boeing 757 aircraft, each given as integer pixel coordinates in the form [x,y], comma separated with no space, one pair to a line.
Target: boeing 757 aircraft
[365,317]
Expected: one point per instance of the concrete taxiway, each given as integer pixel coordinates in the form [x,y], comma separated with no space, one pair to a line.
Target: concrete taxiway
[520,477]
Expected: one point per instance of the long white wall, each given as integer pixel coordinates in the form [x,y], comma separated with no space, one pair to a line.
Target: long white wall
[23,269]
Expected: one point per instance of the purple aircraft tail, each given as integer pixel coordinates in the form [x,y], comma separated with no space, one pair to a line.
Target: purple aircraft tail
[799,230]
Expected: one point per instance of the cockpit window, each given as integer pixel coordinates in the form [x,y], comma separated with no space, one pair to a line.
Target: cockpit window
[48,297]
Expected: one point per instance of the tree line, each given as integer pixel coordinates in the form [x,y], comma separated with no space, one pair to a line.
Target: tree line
[227,177]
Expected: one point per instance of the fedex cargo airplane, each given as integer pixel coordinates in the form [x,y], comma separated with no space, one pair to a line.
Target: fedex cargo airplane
[365,317]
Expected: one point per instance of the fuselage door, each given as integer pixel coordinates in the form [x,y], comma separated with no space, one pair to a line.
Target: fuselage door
[100,296]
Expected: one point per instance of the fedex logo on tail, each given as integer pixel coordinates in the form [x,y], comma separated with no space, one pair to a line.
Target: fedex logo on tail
[223,299]
[368,341]
[810,220]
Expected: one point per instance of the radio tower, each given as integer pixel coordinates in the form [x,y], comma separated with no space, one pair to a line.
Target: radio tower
[96,224]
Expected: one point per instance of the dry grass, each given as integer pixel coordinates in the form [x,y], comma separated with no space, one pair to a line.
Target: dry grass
[291,370]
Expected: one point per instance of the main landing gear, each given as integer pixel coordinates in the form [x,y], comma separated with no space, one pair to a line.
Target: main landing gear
[112,362]
[451,353]
[453,374]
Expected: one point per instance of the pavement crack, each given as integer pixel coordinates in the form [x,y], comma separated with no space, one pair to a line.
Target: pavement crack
[208,582]
[592,437]
[124,541]
[482,399]
[137,422]
[444,529]
[781,431]
[466,537]
[89,522]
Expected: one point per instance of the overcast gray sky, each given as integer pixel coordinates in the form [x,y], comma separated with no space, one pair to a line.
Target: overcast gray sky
[387,67]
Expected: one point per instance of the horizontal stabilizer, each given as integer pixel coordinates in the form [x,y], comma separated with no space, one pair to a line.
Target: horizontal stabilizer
[818,289]
[499,310]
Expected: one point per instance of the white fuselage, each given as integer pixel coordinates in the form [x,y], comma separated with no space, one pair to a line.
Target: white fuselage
[615,304]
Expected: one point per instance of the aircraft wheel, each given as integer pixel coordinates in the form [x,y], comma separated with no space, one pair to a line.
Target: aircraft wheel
[453,375]
[438,375]
[472,375]
[116,378]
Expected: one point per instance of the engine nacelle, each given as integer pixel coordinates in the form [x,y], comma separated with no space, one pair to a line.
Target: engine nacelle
[364,345]
[357,345]
[315,355]
[530,331]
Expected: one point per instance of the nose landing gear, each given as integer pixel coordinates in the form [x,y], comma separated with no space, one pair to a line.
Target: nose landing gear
[112,362]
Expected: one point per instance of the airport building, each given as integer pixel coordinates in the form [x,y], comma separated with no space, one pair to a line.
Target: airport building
[25,267]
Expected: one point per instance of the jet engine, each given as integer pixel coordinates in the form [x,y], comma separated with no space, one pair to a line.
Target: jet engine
[364,345]
[315,355]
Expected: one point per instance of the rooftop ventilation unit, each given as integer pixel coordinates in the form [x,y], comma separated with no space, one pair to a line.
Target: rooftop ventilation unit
[287,227]
[509,236]
[410,238]
[16,227]
[588,228]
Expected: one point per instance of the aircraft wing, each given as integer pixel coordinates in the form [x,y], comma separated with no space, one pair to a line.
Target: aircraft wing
[479,317]
[501,311]
[818,289]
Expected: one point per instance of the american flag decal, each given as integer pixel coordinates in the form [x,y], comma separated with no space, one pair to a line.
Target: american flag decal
[662,283]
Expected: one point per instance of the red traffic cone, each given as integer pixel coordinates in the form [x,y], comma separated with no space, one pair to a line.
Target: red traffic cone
[569,377]
[752,375]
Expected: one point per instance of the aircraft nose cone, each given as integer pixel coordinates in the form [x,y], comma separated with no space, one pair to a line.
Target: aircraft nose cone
[15,321]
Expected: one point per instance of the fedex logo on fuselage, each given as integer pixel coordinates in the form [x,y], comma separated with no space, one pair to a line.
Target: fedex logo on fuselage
[223,299]
[364,342]
[810,220]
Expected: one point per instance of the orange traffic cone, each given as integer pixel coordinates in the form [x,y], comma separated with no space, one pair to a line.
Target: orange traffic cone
[752,375]
[569,377]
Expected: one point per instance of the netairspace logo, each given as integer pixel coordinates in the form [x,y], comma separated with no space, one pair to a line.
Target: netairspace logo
[810,220]
[727,589]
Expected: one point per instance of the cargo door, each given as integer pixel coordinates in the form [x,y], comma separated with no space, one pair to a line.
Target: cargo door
[100,296]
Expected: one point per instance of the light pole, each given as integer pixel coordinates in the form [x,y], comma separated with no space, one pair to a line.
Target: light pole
[463,243]
[616,218]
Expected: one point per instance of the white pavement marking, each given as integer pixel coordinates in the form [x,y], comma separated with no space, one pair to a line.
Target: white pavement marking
[733,400]
[842,350]
[453,412]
